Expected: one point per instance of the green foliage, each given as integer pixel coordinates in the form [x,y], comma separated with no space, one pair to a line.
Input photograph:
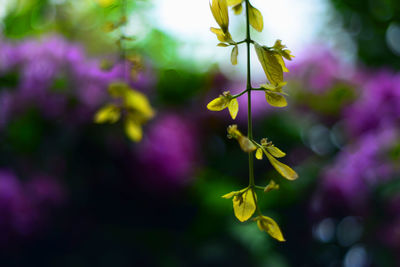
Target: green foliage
[187,84]
[25,133]
[368,22]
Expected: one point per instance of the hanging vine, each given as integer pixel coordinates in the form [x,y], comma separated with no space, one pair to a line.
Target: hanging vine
[245,201]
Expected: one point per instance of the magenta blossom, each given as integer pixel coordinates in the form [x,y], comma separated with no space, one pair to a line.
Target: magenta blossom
[169,150]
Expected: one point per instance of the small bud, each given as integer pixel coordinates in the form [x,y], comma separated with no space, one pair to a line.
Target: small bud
[271,186]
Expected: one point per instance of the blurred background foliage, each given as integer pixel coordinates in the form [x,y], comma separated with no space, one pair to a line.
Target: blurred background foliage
[74,193]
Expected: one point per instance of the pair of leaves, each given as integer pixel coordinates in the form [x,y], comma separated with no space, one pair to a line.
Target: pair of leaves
[255,16]
[272,153]
[225,101]
[268,225]
[219,9]
[111,114]
[244,203]
[244,206]
[136,106]
[224,37]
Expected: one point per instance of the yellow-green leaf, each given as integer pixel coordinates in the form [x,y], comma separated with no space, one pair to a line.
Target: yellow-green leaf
[233,193]
[234,2]
[133,130]
[280,48]
[287,54]
[275,99]
[281,62]
[277,88]
[283,169]
[234,55]
[218,104]
[219,9]
[245,144]
[138,101]
[230,195]
[109,113]
[268,225]
[244,205]
[221,36]
[233,131]
[268,86]
[259,154]
[222,45]
[256,18]
[233,108]
[271,186]
[276,152]
[272,68]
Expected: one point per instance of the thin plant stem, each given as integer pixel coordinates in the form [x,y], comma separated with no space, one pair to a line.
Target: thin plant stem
[259,187]
[248,89]
[249,117]
[240,94]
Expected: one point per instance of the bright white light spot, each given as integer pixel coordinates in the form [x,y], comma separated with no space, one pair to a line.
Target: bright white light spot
[325,230]
[5,5]
[356,257]
[393,38]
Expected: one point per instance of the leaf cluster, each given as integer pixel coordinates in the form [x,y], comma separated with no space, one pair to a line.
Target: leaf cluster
[129,103]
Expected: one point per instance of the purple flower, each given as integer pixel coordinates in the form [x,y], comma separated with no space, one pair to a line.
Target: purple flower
[23,207]
[15,208]
[319,68]
[9,56]
[378,105]
[42,63]
[169,150]
[45,191]
[357,168]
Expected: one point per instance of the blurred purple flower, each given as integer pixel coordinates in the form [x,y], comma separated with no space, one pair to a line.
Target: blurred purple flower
[169,150]
[40,63]
[45,191]
[319,69]
[22,206]
[378,105]
[357,168]
[9,56]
